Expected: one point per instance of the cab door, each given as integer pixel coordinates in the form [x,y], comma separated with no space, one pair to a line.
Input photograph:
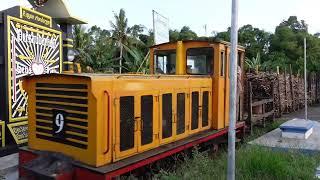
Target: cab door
[181,120]
[126,124]
[195,109]
[148,135]
[206,108]
[166,114]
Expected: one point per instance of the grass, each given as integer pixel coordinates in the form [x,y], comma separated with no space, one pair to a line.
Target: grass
[252,162]
[259,131]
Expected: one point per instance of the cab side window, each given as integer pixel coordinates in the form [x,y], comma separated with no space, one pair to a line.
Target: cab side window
[165,62]
[222,63]
[200,61]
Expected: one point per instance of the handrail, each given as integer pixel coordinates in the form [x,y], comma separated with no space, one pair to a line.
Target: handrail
[106,118]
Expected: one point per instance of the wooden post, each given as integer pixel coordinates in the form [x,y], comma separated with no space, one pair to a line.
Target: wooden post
[272,96]
[308,82]
[298,84]
[285,89]
[279,94]
[263,115]
[242,84]
[300,98]
[250,106]
[291,89]
[316,89]
[316,85]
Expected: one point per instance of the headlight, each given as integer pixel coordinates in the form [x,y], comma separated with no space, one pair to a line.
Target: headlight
[71,54]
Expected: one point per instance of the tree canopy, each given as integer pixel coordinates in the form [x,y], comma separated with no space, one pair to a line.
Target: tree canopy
[282,48]
[126,47]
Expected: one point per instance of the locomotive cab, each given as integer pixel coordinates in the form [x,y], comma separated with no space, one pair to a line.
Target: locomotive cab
[202,58]
[101,119]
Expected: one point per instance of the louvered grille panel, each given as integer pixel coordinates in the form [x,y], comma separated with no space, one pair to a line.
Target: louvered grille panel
[195,111]
[181,97]
[72,100]
[166,115]
[127,123]
[147,119]
[205,109]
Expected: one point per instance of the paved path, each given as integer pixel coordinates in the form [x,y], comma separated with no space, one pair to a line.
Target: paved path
[275,140]
[313,114]
[8,167]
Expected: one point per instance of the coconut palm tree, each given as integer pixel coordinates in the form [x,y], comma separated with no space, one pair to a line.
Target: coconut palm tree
[82,43]
[120,31]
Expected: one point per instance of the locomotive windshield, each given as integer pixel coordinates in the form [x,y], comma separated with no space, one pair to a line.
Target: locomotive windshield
[200,61]
[165,62]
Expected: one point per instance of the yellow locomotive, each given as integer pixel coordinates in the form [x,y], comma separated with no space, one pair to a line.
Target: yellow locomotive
[99,119]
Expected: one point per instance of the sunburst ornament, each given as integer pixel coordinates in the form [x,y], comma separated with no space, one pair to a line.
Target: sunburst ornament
[40,3]
[33,51]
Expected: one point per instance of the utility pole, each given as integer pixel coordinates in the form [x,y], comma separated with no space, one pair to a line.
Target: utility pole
[305,81]
[233,91]
[205,30]
[154,28]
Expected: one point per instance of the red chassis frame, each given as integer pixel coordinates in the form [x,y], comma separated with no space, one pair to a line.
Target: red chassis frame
[83,172]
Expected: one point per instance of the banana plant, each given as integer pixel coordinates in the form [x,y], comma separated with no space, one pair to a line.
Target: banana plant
[254,63]
[135,61]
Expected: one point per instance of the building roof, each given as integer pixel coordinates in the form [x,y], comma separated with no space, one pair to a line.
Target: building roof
[59,11]
[208,41]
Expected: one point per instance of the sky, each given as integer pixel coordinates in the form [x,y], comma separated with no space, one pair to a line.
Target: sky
[215,14]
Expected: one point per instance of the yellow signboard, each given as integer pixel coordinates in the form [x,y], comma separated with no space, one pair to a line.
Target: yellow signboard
[35,17]
[19,131]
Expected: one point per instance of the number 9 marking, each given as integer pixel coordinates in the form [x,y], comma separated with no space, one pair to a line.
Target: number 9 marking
[59,122]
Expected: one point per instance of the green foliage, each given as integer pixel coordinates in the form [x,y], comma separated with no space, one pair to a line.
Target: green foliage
[94,47]
[282,48]
[185,34]
[295,25]
[255,40]
[203,166]
[253,63]
[224,35]
[174,35]
[138,62]
[252,162]
[136,30]
[147,39]
[276,59]
[82,42]
[126,47]
[102,50]
[120,29]
[287,41]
